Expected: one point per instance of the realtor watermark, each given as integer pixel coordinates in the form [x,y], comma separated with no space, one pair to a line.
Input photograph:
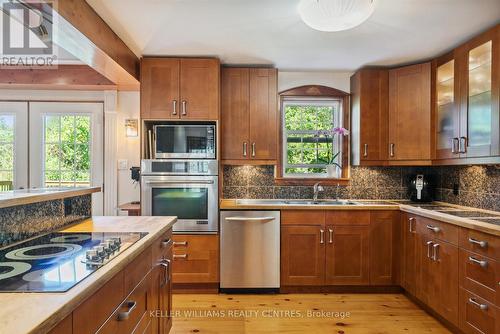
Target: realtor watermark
[248,313]
[28,29]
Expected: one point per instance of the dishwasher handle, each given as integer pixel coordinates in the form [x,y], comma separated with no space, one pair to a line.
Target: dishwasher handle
[240,219]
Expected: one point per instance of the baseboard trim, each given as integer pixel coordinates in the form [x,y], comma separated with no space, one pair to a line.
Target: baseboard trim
[200,288]
[342,289]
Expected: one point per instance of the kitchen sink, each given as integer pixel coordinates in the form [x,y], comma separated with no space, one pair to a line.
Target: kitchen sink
[294,202]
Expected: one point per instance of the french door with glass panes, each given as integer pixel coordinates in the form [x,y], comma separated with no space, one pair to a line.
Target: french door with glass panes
[13,145]
[66,146]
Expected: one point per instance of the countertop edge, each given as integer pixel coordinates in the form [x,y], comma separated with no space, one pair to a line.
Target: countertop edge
[84,289]
[27,198]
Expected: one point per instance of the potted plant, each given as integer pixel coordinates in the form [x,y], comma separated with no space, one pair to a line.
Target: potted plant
[333,168]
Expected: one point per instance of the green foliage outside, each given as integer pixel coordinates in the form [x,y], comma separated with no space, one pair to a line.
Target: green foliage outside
[304,145]
[6,149]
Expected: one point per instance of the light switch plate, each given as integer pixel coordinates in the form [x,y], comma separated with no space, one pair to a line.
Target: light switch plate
[122,164]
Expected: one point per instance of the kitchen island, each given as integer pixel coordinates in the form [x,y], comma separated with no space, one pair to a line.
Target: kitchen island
[98,300]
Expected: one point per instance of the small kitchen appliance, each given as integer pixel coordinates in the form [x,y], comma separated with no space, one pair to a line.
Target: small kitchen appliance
[421,188]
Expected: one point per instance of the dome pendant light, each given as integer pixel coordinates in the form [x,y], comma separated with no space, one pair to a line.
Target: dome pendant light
[335,15]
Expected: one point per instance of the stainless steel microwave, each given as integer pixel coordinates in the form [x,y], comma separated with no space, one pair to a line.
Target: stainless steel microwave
[184,141]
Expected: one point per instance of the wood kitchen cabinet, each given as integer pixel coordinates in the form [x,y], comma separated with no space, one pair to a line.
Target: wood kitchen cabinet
[410,114]
[196,259]
[249,116]
[409,261]
[385,229]
[180,88]
[369,113]
[347,255]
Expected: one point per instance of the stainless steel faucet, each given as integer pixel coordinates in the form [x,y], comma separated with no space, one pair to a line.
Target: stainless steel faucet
[317,189]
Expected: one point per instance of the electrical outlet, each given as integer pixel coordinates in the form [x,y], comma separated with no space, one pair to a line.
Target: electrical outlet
[122,164]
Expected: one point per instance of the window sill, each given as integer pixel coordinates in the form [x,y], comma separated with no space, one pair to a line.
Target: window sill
[286,181]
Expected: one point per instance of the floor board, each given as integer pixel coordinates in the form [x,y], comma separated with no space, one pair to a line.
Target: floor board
[291,313]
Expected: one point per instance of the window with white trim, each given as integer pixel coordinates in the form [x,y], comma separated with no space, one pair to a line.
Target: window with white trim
[312,136]
[7,143]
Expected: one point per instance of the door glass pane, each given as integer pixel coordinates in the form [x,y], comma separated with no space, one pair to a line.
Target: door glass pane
[7,123]
[185,203]
[479,108]
[445,104]
[67,150]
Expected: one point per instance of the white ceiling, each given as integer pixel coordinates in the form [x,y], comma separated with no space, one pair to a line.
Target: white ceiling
[271,32]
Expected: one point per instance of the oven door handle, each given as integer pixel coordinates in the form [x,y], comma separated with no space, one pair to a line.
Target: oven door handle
[249,218]
[182,182]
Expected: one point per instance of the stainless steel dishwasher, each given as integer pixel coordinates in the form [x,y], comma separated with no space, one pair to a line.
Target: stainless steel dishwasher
[250,251]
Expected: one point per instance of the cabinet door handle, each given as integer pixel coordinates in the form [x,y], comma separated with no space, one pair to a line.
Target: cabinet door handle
[245,149]
[165,263]
[434,229]
[321,236]
[330,235]
[429,245]
[180,256]
[480,243]
[184,108]
[365,152]
[180,243]
[410,224]
[475,303]
[391,149]
[462,146]
[435,252]
[454,145]
[253,149]
[174,112]
[482,263]
[125,315]
[166,243]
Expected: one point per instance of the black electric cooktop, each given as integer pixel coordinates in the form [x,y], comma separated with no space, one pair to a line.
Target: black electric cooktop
[56,262]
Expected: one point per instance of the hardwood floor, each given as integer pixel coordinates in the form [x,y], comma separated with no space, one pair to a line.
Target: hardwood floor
[291,313]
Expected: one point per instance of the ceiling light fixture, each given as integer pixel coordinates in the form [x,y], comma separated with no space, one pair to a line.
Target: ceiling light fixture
[335,15]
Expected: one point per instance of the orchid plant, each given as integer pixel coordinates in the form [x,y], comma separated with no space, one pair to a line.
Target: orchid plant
[340,131]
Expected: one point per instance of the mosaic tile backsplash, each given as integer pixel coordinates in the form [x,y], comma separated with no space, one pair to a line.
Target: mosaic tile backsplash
[478,186]
[24,221]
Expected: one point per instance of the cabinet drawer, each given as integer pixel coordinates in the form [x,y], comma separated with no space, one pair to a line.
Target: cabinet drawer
[480,243]
[161,247]
[302,217]
[64,327]
[195,259]
[132,313]
[480,275]
[348,217]
[94,311]
[134,272]
[477,316]
[437,230]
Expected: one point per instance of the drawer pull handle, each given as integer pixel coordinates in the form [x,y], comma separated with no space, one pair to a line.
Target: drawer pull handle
[321,236]
[125,315]
[482,244]
[166,243]
[180,243]
[429,245]
[330,234]
[433,228]
[482,263]
[481,306]
[180,256]
[410,224]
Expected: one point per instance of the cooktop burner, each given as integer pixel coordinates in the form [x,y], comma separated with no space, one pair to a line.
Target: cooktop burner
[56,262]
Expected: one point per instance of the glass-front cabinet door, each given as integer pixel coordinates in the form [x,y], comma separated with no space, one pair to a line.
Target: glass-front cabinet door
[479,130]
[446,116]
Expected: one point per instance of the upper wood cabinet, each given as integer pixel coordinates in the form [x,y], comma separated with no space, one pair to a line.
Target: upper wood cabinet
[180,88]
[410,113]
[466,103]
[369,108]
[249,117]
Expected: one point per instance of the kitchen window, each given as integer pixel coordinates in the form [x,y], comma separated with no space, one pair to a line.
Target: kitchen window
[314,140]
[7,130]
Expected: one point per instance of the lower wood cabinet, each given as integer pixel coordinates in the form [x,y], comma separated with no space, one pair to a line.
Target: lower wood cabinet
[334,248]
[196,259]
[302,256]
[477,315]
[136,300]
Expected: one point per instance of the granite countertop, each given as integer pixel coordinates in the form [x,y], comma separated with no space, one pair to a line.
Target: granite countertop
[476,219]
[39,311]
[28,196]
